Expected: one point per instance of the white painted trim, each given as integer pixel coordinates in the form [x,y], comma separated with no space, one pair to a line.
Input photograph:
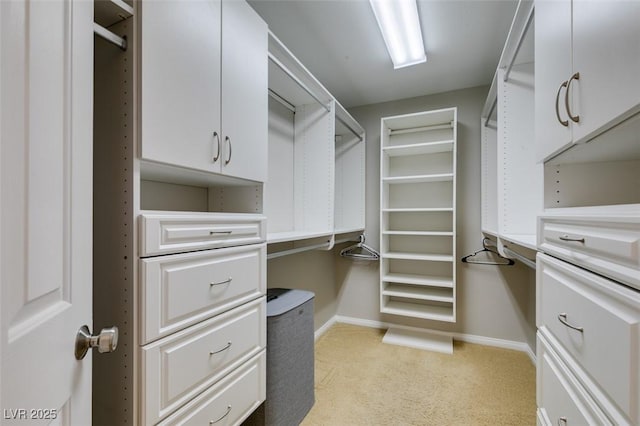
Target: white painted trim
[469,338]
[324,327]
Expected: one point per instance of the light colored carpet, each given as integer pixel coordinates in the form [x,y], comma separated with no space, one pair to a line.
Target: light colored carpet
[362,381]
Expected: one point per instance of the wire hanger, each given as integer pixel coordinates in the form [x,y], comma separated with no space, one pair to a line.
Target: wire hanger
[502,262]
[360,251]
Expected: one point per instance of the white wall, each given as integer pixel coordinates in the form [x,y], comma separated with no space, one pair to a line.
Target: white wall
[495,302]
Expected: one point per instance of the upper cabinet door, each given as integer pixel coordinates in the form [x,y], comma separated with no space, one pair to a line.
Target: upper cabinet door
[552,71]
[244,92]
[180,83]
[606,53]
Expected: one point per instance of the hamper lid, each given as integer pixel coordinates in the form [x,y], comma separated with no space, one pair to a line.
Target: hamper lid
[281,300]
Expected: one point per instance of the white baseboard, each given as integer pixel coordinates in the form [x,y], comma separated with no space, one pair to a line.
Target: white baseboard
[469,338]
[326,326]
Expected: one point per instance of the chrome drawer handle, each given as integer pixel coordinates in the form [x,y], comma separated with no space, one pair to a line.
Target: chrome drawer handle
[215,157]
[562,421]
[221,350]
[563,319]
[212,422]
[566,237]
[227,281]
[220,232]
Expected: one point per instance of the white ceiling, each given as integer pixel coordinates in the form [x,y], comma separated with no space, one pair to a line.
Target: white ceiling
[339,42]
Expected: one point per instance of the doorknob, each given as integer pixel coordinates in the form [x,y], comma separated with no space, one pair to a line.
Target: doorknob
[106,341]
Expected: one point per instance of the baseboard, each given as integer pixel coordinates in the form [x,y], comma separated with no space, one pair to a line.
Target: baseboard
[323,329]
[469,338]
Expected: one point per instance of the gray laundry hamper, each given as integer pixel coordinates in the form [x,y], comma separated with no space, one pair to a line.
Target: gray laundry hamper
[290,359]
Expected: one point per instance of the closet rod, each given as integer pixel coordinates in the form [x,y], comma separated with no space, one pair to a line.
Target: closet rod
[285,103]
[297,250]
[358,135]
[493,106]
[519,45]
[421,129]
[104,33]
[530,263]
[298,81]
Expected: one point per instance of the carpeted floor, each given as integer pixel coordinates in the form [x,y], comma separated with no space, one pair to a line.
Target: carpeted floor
[362,381]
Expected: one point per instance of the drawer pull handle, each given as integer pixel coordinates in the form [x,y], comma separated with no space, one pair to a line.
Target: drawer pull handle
[220,232]
[566,237]
[563,319]
[227,281]
[221,350]
[562,421]
[212,422]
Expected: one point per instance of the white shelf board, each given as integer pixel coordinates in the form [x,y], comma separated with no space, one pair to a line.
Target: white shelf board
[415,310]
[524,240]
[418,210]
[434,281]
[281,237]
[420,233]
[434,294]
[109,12]
[418,256]
[418,148]
[440,177]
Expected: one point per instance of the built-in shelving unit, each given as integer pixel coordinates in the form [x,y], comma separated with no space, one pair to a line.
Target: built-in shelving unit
[418,193]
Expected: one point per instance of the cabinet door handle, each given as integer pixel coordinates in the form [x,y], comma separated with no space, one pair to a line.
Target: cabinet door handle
[565,123]
[228,140]
[227,281]
[212,422]
[566,237]
[563,319]
[220,232]
[575,118]
[221,350]
[217,137]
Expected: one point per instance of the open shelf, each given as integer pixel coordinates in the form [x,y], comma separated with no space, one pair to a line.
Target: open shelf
[414,279]
[416,256]
[416,310]
[420,233]
[441,177]
[419,148]
[435,294]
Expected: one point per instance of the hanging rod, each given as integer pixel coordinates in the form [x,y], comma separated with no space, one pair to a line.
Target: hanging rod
[421,129]
[493,106]
[358,135]
[297,250]
[285,103]
[298,82]
[104,33]
[519,45]
[530,263]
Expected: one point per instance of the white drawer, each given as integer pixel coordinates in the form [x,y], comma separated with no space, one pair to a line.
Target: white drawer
[228,402]
[180,290]
[561,399]
[608,347]
[607,245]
[177,368]
[174,232]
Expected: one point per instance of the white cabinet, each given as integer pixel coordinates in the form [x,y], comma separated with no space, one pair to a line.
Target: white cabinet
[418,203]
[587,63]
[203,86]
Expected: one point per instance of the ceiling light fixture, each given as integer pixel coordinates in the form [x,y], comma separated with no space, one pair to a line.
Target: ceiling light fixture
[400,26]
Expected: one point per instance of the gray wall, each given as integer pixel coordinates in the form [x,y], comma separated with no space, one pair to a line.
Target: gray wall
[492,301]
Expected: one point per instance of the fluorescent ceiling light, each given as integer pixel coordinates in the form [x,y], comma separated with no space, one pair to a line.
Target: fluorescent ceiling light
[400,27]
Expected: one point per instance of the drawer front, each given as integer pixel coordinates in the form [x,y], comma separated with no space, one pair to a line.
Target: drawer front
[178,233]
[229,401]
[561,400]
[612,249]
[181,290]
[177,368]
[597,322]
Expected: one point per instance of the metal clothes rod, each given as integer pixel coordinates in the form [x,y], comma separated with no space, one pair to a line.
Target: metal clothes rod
[421,129]
[104,33]
[519,45]
[493,106]
[296,250]
[530,263]
[349,127]
[298,82]
[288,105]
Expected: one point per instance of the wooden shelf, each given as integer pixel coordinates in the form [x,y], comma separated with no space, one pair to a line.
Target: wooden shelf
[418,148]
[445,282]
[441,177]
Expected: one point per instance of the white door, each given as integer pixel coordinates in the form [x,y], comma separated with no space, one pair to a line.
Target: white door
[45,192]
